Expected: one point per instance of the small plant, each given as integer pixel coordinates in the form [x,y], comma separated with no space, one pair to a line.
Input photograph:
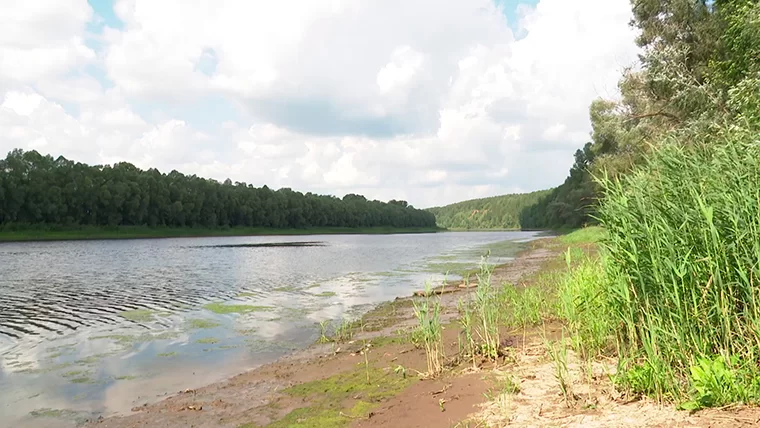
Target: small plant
[510,386]
[441,403]
[427,310]
[558,354]
[345,331]
[400,370]
[323,325]
[365,351]
[466,319]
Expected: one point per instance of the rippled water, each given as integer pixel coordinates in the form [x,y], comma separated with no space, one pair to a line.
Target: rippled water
[97,327]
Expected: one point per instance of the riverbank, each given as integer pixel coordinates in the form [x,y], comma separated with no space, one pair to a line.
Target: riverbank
[140,232]
[391,369]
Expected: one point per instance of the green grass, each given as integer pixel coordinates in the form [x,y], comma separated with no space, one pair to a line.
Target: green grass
[139,232]
[221,308]
[591,234]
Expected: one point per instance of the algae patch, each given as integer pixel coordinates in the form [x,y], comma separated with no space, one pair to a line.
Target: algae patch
[208,340]
[125,377]
[201,323]
[326,294]
[221,308]
[138,315]
[167,354]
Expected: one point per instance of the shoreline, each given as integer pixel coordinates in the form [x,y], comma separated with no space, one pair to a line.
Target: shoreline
[128,233]
[377,327]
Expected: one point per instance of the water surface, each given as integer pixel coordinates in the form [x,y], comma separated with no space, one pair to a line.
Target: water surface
[92,328]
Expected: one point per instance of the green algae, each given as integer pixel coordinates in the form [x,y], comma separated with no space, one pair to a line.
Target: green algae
[197,323]
[224,347]
[166,354]
[58,414]
[83,379]
[330,398]
[138,315]
[326,294]
[246,294]
[74,373]
[207,340]
[125,377]
[286,289]
[221,308]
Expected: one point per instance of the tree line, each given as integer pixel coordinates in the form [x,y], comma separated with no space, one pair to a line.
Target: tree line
[700,69]
[497,212]
[39,190]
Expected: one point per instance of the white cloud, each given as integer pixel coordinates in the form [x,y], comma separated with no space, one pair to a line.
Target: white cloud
[393,98]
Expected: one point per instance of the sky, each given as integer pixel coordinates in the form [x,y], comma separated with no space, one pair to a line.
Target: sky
[429,101]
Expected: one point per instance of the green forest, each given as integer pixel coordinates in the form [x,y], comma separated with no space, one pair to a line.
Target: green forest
[42,192]
[497,212]
[698,76]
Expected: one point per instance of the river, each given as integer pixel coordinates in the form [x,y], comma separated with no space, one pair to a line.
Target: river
[91,328]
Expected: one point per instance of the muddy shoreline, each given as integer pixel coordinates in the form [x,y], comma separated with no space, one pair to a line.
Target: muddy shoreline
[247,397]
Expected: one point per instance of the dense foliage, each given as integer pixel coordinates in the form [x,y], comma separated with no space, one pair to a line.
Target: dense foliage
[683,257]
[40,190]
[699,68]
[497,212]
[675,174]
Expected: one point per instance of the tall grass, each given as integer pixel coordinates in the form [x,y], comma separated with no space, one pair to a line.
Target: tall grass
[683,259]
[429,330]
[583,304]
[487,311]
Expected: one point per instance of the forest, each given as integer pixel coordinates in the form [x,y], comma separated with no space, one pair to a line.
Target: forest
[44,192]
[698,69]
[497,212]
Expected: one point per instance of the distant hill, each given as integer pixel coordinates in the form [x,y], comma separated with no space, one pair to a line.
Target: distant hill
[496,212]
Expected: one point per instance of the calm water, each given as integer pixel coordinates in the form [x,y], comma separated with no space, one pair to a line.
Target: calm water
[97,327]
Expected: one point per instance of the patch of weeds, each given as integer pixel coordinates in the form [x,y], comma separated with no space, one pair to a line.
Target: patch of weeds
[198,323]
[326,294]
[388,340]
[138,315]
[288,288]
[166,354]
[221,308]
[714,383]
[207,340]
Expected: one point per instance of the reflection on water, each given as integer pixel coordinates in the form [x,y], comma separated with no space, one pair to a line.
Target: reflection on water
[98,327]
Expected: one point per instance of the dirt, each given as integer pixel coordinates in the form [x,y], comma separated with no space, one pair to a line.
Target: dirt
[343,384]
